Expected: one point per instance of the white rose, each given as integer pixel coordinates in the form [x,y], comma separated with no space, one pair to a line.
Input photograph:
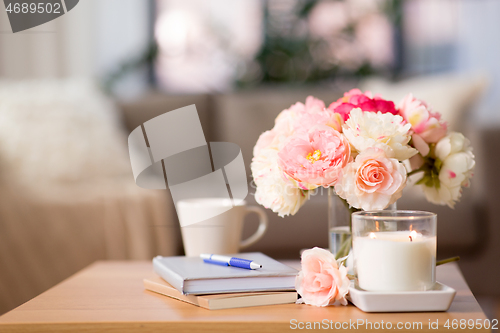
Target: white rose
[274,191]
[385,131]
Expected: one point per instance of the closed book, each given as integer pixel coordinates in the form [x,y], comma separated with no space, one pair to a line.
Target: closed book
[221,301]
[190,275]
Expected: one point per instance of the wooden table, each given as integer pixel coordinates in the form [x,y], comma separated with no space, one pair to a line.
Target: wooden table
[109,296]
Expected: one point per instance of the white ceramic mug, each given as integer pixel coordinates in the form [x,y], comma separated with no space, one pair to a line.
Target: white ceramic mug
[220,234]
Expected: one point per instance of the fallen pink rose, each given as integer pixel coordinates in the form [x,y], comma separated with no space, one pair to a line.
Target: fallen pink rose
[321,281]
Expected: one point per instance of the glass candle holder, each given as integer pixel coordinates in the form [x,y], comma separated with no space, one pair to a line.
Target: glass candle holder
[394,250]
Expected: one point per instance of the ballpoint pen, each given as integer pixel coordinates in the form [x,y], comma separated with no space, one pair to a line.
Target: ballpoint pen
[229,261]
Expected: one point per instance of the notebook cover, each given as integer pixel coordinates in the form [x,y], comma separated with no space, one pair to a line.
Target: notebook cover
[220,301]
[177,270]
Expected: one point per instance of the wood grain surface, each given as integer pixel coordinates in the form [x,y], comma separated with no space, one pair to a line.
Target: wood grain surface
[110,297]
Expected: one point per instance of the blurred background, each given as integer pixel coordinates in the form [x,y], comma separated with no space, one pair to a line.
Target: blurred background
[72,89]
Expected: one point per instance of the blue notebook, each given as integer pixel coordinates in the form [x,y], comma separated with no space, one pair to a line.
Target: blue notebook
[190,275]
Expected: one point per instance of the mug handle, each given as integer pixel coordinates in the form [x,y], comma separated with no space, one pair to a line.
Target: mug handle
[260,230]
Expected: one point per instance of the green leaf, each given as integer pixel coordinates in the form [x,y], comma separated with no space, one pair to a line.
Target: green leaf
[429,182]
[421,181]
[437,183]
[438,164]
[435,179]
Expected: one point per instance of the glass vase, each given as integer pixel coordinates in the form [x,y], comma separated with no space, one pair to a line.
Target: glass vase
[339,224]
[339,221]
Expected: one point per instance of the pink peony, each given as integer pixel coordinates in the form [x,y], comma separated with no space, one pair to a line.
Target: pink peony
[315,157]
[325,117]
[321,281]
[314,104]
[356,99]
[372,181]
[274,190]
[420,145]
[425,123]
[265,140]
[287,118]
[288,121]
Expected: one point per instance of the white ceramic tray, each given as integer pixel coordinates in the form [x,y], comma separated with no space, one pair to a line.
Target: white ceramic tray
[439,298]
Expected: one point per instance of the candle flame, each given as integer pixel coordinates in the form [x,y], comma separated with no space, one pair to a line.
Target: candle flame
[372,235]
[377,226]
[413,234]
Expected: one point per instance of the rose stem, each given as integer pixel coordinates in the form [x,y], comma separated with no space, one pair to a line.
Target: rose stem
[445,261]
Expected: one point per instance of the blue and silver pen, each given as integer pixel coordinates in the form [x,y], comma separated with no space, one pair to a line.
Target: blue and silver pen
[229,261]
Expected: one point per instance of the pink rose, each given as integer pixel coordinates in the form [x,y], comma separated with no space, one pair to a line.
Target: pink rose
[425,123]
[372,181]
[356,99]
[321,281]
[315,157]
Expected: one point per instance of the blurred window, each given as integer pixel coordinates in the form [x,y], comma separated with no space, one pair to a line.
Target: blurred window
[210,46]
[203,44]
[430,35]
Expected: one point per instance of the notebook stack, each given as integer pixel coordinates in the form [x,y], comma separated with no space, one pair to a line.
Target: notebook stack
[191,280]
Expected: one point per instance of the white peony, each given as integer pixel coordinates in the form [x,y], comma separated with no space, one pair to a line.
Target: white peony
[455,152]
[452,143]
[381,130]
[274,191]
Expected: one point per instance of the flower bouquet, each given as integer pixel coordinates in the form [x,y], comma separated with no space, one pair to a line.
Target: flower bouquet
[365,148]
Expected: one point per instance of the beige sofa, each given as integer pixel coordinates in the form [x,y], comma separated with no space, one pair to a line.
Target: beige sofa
[67,195]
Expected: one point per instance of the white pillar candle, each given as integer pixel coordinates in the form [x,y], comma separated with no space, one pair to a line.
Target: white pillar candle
[395,261]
